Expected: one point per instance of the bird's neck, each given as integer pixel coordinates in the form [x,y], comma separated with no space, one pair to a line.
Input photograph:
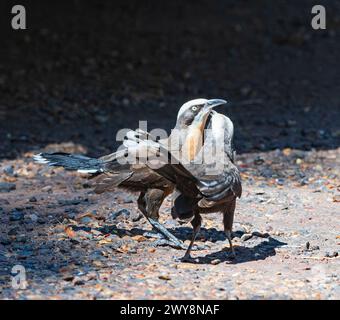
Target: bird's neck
[193,142]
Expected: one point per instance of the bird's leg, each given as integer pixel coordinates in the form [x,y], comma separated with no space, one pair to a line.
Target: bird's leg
[228,235]
[153,200]
[196,224]
[228,219]
[172,240]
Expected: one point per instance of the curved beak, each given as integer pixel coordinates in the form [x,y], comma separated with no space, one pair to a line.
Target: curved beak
[214,103]
[209,105]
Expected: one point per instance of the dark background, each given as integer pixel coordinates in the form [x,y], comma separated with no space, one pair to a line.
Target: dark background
[85,69]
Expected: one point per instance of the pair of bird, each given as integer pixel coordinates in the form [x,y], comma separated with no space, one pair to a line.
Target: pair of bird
[195,164]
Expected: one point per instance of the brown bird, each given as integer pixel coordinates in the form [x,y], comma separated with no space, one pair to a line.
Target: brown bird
[113,170]
[209,182]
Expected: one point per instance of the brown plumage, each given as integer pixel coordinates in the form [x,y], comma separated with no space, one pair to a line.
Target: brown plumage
[210,185]
[111,171]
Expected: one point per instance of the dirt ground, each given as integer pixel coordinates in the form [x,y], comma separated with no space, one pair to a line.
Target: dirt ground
[75,244]
[76,77]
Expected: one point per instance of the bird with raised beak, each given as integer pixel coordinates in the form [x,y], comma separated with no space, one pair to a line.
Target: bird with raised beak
[112,171]
[209,182]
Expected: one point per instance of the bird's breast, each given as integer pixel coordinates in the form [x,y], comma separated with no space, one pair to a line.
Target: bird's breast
[193,143]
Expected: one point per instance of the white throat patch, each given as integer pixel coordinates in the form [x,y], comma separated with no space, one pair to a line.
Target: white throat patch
[219,125]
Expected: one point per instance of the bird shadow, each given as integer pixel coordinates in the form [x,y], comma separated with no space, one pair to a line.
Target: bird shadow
[181,233]
[244,254]
[260,251]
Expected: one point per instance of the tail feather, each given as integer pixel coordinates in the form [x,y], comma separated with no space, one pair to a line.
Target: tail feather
[72,162]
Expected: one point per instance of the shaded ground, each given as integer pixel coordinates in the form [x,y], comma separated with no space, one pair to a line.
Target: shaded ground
[104,66]
[77,76]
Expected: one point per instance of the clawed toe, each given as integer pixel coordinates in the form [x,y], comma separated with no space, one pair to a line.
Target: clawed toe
[186,258]
[153,235]
[232,255]
[165,242]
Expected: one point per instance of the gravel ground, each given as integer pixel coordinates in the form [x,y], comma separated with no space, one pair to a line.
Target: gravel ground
[75,244]
[77,76]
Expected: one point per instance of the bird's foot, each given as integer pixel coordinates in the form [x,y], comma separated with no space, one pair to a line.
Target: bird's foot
[174,244]
[153,235]
[165,233]
[231,254]
[161,242]
[187,258]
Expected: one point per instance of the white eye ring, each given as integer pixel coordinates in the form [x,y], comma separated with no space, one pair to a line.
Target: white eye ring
[194,108]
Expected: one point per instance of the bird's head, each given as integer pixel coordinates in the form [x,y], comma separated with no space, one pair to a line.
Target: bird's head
[191,121]
[195,112]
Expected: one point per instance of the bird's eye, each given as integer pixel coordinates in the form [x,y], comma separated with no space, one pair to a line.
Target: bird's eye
[194,108]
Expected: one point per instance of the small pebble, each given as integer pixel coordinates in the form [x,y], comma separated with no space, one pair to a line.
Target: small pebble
[78,281]
[258,161]
[164,277]
[47,189]
[9,170]
[86,220]
[280,181]
[33,199]
[68,278]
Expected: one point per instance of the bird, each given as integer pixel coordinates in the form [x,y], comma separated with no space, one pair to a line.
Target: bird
[209,182]
[114,171]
